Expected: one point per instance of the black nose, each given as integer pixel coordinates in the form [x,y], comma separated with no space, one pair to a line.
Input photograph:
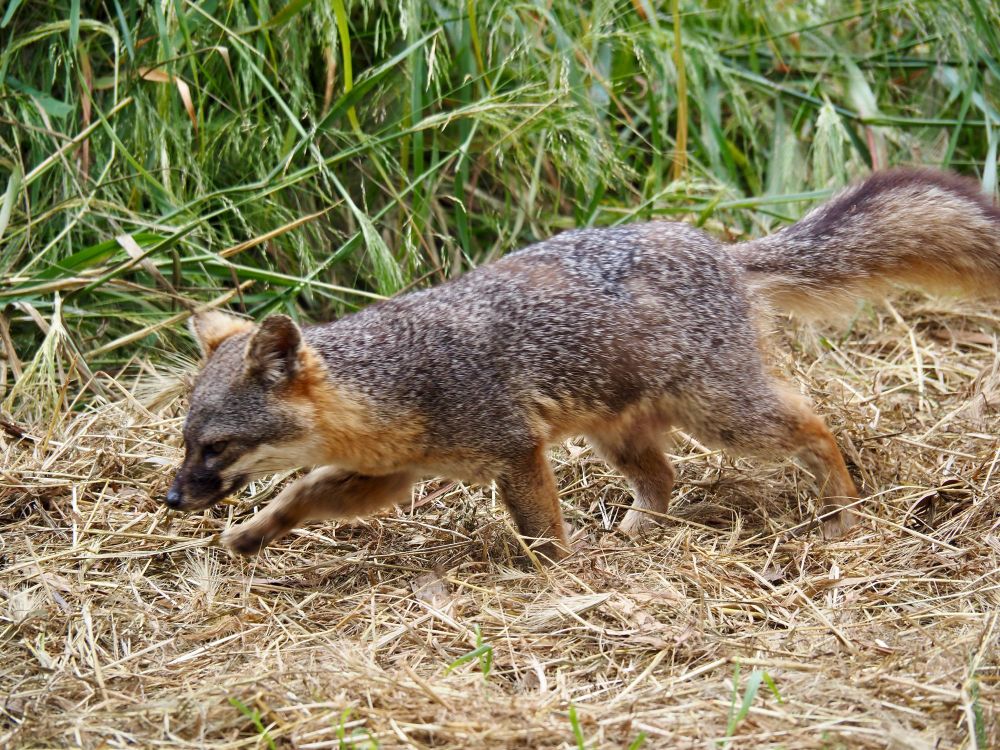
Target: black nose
[173,498]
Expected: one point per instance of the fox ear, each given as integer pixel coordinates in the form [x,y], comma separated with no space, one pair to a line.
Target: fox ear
[212,327]
[273,351]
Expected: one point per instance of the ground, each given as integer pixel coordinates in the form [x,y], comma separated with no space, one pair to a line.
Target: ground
[125,625]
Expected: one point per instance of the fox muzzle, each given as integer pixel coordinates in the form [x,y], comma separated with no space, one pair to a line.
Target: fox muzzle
[198,490]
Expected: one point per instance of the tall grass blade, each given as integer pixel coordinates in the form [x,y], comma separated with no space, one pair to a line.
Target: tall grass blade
[74,23]
[11,10]
[680,144]
[9,197]
[345,55]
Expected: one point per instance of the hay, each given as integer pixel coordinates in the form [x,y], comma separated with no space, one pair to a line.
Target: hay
[124,625]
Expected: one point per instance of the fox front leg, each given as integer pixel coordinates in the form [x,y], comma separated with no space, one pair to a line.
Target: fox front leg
[324,493]
[529,491]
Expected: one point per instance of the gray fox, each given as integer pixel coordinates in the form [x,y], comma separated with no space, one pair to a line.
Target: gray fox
[617,334]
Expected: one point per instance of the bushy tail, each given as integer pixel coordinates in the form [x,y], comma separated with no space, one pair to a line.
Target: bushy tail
[911,227]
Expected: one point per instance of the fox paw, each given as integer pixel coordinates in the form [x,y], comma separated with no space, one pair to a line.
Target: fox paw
[832,527]
[839,524]
[244,542]
[636,523]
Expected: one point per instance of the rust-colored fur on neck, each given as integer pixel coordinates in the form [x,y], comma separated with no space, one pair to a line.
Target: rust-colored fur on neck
[349,428]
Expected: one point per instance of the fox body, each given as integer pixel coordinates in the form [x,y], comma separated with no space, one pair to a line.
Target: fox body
[618,334]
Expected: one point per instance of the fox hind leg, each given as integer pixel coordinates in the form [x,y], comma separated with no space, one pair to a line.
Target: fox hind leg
[641,460]
[771,422]
[819,451]
[323,493]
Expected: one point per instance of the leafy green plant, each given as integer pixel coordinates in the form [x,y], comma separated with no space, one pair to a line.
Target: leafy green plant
[574,722]
[978,719]
[581,742]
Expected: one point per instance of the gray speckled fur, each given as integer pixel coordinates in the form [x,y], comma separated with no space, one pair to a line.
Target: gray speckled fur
[604,317]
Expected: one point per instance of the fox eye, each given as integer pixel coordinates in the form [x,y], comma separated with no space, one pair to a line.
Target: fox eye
[210,450]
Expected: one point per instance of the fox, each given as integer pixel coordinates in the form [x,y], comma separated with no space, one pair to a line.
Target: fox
[617,334]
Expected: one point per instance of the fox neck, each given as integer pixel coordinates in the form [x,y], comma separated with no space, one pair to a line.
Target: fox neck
[348,428]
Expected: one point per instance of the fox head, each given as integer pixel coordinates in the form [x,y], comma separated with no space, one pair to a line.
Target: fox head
[250,413]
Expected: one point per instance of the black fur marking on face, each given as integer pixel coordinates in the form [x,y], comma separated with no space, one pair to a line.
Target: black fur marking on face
[203,482]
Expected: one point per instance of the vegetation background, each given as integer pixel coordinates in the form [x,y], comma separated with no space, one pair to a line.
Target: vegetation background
[161,153]
[314,156]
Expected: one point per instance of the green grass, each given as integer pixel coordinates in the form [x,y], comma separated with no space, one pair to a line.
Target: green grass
[737,715]
[159,156]
[483,652]
[253,714]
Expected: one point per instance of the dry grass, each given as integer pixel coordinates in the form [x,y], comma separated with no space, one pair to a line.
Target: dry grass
[123,625]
